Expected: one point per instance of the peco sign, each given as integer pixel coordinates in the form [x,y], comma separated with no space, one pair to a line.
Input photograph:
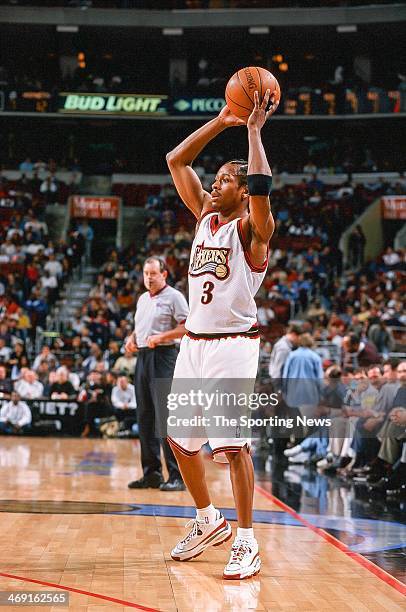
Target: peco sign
[198,106]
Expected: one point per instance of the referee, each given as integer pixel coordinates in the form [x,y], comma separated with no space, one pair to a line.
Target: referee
[159,319]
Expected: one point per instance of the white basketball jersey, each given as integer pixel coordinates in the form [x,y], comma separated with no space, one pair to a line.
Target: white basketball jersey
[222,280]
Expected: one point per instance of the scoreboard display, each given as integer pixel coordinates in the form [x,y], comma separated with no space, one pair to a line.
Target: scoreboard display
[301,101]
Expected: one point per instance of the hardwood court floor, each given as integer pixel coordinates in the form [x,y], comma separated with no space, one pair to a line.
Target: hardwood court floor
[125,556]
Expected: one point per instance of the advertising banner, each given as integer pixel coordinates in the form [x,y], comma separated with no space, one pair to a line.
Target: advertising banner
[94,207]
[197,106]
[111,104]
[394,207]
[51,416]
[38,101]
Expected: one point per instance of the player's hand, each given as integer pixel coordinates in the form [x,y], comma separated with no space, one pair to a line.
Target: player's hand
[260,113]
[130,345]
[228,119]
[155,340]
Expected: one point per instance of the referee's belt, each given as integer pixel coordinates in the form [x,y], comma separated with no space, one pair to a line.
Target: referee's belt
[253,332]
[145,349]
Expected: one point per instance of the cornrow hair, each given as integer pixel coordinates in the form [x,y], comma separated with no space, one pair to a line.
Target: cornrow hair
[242,169]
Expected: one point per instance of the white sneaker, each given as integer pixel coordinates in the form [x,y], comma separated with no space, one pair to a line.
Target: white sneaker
[201,536]
[244,560]
[291,452]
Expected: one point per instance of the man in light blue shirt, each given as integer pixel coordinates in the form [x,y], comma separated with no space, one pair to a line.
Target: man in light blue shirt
[303,377]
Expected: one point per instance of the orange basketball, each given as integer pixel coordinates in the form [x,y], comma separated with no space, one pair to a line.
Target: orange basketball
[242,85]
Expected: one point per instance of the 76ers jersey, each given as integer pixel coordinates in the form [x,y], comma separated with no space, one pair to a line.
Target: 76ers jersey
[222,279]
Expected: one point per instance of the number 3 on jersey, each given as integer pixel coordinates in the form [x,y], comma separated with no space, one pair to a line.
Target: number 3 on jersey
[207,292]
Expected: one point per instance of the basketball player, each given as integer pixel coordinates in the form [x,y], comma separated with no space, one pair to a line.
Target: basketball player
[234,227]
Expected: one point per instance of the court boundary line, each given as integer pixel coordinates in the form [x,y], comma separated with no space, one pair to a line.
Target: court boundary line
[123,602]
[357,557]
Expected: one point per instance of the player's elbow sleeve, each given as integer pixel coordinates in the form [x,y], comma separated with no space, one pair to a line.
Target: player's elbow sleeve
[259,184]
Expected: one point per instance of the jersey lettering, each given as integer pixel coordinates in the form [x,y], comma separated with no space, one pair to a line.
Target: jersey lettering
[207,292]
[210,260]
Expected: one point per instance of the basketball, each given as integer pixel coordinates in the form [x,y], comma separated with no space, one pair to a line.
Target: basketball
[242,85]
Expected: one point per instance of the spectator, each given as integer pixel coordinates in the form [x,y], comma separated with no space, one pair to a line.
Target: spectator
[43,372]
[357,353]
[126,364]
[303,375]
[113,353]
[94,393]
[88,234]
[62,388]
[44,355]
[5,351]
[364,443]
[49,187]
[356,246]
[392,437]
[26,166]
[282,349]
[123,394]
[124,402]
[15,416]
[18,360]
[382,337]
[391,258]
[37,308]
[28,387]
[53,266]
[265,314]
[99,329]
[310,167]
[6,385]
[95,357]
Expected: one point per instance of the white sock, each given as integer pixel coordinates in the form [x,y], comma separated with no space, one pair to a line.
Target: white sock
[247,534]
[208,515]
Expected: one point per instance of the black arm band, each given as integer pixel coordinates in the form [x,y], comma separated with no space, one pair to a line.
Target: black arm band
[259,184]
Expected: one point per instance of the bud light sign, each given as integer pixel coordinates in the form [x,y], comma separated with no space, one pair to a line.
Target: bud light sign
[111,104]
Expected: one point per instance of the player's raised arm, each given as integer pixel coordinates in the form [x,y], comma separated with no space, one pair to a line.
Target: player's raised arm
[260,223]
[181,158]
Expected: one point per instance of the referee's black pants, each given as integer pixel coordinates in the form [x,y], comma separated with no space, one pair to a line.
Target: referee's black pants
[153,374]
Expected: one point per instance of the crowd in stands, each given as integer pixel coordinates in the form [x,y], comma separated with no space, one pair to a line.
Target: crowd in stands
[37,186]
[32,272]
[57,179]
[364,398]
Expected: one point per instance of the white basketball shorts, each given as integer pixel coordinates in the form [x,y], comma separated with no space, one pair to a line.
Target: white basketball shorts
[209,363]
